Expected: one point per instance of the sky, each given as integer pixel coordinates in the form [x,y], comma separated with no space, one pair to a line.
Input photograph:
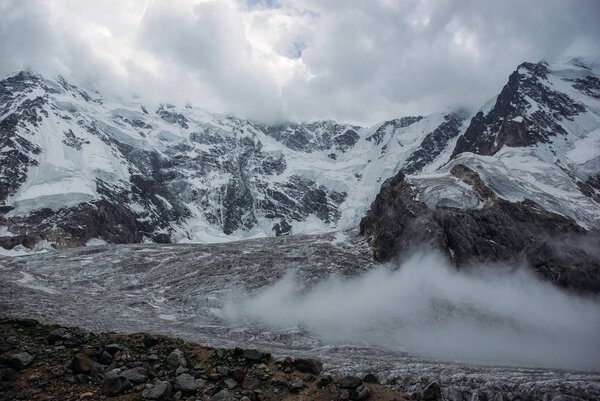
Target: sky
[357,61]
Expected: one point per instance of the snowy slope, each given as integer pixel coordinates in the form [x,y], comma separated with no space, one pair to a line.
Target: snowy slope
[159,173]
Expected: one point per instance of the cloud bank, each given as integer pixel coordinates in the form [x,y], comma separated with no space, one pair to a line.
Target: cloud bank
[491,315]
[355,61]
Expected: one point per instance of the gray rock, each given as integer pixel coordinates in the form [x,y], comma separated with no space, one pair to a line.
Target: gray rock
[97,370]
[200,383]
[115,383]
[19,361]
[223,395]
[185,382]
[113,348]
[59,334]
[308,365]
[350,382]
[297,386]
[230,383]
[255,355]
[176,359]
[362,392]
[324,381]
[136,375]
[181,370]
[160,390]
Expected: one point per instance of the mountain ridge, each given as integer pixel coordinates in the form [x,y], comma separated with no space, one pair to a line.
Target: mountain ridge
[77,167]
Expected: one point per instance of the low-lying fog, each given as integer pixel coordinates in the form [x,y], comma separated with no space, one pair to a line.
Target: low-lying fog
[489,315]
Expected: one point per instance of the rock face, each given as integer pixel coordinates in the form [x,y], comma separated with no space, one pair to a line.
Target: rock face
[504,124]
[500,231]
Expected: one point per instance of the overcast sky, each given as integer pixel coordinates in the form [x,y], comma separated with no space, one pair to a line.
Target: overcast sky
[355,61]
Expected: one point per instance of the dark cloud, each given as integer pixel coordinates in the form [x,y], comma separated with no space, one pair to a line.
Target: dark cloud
[358,61]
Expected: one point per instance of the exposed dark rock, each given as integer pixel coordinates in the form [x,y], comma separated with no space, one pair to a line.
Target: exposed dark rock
[489,132]
[502,231]
[435,142]
[391,127]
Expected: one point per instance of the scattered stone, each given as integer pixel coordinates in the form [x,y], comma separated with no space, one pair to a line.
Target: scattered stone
[82,363]
[239,375]
[115,383]
[185,382]
[223,395]
[181,370]
[113,348]
[176,359]
[150,341]
[308,377]
[362,392]
[287,362]
[160,390]
[200,384]
[86,396]
[324,381]
[18,361]
[371,378]
[223,371]
[350,382]
[97,370]
[105,358]
[253,355]
[136,375]
[59,334]
[308,365]
[230,383]
[297,386]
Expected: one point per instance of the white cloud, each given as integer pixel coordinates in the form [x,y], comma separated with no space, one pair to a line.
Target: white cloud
[356,61]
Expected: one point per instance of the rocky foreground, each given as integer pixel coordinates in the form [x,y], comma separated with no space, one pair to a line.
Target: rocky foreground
[49,362]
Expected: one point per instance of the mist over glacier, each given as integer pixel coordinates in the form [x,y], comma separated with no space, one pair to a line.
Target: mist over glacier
[423,306]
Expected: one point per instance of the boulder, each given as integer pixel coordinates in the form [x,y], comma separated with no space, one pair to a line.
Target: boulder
[176,359]
[19,360]
[350,382]
[136,375]
[81,363]
[160,390]
[186,383]
[115,383]
[308,365]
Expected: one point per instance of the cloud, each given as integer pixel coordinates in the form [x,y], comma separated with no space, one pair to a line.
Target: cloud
[354,61]
[489,314]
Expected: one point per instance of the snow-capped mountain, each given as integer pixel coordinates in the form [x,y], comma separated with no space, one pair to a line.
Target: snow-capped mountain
[76,166]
